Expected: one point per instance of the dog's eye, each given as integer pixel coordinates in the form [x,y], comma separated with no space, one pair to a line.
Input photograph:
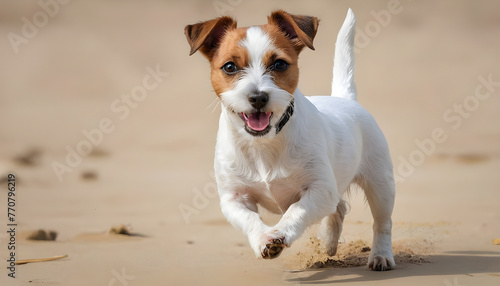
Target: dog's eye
[229,68]
[280,65]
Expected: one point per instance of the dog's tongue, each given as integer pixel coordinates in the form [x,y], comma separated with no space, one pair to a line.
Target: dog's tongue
[259,121]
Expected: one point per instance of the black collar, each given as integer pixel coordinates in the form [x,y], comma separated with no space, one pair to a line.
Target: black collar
[285,117]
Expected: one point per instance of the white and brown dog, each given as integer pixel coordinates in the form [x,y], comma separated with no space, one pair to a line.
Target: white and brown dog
[291,154]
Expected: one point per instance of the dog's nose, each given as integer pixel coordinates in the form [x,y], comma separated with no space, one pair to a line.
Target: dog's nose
[258,100]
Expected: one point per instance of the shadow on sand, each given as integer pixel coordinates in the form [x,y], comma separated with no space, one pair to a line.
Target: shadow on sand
[450,263]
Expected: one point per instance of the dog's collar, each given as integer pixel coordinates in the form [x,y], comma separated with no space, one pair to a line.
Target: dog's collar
[285,117]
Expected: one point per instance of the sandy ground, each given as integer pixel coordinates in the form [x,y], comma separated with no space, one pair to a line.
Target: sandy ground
[421,71]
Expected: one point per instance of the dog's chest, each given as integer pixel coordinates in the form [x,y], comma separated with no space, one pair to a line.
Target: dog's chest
[278,194]
[268,176]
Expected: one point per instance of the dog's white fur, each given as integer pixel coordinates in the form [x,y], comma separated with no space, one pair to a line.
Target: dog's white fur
[304,171]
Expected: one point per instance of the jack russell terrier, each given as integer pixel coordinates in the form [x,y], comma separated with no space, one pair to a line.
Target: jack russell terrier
[288,153]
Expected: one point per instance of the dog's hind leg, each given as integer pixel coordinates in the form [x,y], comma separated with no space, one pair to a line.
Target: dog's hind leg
[331,228]
[378,185]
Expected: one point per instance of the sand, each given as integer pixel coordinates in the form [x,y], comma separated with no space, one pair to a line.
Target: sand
[423,69]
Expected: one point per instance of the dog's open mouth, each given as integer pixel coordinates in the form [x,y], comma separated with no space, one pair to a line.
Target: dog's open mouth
[257,123]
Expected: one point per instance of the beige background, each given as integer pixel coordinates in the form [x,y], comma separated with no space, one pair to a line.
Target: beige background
[66,77]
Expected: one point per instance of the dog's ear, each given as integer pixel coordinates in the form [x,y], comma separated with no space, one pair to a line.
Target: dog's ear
[298,28]
[206,36]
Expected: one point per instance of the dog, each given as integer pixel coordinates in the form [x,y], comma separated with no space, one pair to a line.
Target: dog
[293,155]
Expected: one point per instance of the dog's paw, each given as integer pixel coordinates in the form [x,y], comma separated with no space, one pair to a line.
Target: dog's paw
[273,249]
[381,263]
[331,249]
[268,244]
[272,244]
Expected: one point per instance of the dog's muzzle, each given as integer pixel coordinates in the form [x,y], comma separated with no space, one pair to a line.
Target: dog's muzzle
[259,123]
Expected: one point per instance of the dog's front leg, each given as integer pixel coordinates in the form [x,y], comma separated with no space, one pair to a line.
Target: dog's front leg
[318,201]
[241,211]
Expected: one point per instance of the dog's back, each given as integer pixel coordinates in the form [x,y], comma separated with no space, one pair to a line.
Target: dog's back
[352,128]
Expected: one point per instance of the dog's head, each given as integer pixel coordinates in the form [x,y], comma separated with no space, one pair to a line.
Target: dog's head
[254,69]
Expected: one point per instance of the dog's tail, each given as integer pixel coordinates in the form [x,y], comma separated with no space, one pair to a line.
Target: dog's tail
[343,68]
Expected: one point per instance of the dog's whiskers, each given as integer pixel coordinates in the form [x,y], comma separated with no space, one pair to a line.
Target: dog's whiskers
[215,107]
[216,101]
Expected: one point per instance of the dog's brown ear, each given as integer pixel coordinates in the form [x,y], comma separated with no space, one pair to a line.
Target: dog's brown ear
[298,28]
[206,36]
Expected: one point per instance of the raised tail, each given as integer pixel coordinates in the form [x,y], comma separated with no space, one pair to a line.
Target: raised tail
[343,67]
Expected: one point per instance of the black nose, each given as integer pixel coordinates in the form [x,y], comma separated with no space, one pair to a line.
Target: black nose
[258,100]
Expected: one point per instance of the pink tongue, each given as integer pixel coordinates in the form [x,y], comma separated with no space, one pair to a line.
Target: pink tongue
[259,121]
